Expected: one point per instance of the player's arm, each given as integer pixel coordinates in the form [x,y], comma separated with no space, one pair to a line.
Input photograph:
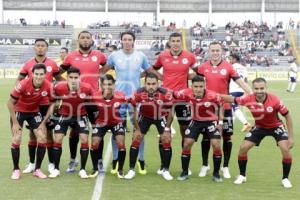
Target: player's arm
[243,85]
[220,118]
[11,107]
[50,111]
[289,124]
[227,98]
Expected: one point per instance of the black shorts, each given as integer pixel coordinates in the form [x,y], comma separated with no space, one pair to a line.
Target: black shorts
[257,134]
[79,124]
[227,123]
[145,123]
[33,119]
[43,111]
[183,113]
[100,131]
[92,112]
[208,128]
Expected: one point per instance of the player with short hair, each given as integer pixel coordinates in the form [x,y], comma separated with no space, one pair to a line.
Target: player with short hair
[89,62]
[176,63]
[52,71]
[218,73]
[154,104]
[206,111]
[265,108]
[128,64]
[72,96]
[108,104]
[24,106]
[236,91]
[293,73]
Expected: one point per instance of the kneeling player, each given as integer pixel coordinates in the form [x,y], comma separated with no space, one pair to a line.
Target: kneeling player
[73,95]
[205,105]
[154,103]
[265,107]
[24,106]
[108,104]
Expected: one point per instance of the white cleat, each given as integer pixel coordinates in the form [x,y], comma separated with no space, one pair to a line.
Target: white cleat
[286,183]
[189,172]
[226,173]
[51,167]
[240,179]
[166,175]
[203,171]
[160,171]
[72,166]
[130,174]
[29,168]
[16,174]
[54,173]
[82,173]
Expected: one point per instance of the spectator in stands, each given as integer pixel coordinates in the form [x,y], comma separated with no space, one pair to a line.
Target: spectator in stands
[62,54]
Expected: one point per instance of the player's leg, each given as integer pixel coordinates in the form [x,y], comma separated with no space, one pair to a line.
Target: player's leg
[119,133]
[281,136]
[114,155]
[205,147]
[15,149]
[217,158]
[160,126]
[96,138]
[251,139]
[32,143]
[185,158]
[166,148]
[227,142]
[57,150]
[293,84]
[82,127]
[73,144]
[144,124]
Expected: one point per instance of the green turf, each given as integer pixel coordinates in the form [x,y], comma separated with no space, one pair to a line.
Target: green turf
[263,172]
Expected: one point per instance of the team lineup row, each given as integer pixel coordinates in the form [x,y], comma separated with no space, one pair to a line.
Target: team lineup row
[206,98]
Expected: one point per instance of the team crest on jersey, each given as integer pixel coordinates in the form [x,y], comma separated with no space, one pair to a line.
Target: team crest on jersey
[187,132]
[82,95]
[207,104]
[159,102]
[167,60]
[57,127]
[44,93]
[185,61]
[49,69]
[223,72]
[116,105]
[248,135]
[269,109]
[94,58]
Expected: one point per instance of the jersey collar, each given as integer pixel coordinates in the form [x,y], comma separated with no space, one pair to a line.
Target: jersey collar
[217,64]
[38,61]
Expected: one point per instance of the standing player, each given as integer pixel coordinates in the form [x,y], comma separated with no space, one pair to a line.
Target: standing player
[128,64]
[293,73]
[88,61]
[218,73]
[52,71]
[24,106]
[62,54]
[176,64]
[154,105]
[264,108]
[236,91]
[108,103]
[207,110]
[72,95]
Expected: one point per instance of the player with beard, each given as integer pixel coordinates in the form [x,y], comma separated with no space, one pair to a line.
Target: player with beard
[88,61]
[265,108]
